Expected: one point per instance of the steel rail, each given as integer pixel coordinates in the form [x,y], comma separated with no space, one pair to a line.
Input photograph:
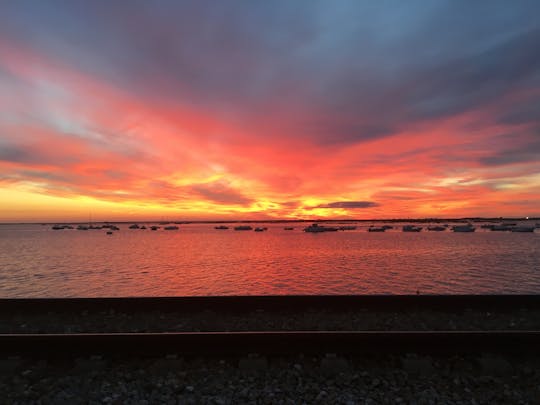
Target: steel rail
[450,303]
[270,342]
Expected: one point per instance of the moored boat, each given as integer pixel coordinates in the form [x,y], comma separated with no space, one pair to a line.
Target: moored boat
[436,228]
[221,227]
[523,229]
[376,229]
[411,228]
[243,228]
[171,228]
[501,228]
[316,228]
[463,228]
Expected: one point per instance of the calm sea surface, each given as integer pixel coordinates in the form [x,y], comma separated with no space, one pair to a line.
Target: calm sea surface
[36,261]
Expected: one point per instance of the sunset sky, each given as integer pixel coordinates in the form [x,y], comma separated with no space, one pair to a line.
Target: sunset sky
[193,110]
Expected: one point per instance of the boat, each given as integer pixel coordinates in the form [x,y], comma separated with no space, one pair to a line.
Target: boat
[436,228]
[347,228]
[260,229]
[82,228]
[376,229]
[143,227]
[463,228]
[134,226]
[316,228]
[288,228]
[523,229]
[387,227]
[114,228]
[221,227]
[109,233]
[154,228]
[59,227]
[243,228]
[171,228]
[411,228]
[501,228]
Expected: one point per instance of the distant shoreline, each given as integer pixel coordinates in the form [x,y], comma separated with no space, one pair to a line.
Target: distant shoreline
[284,221]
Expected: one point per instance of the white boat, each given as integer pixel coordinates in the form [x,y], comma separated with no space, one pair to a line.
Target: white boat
[316,228]
[411,228]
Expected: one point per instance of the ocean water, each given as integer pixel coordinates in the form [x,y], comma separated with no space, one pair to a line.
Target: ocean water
[36,261]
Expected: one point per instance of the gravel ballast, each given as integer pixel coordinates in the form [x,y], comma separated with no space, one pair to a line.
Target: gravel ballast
[323,379]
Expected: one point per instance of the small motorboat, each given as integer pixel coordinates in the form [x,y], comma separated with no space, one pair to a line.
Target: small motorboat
[523,229]
[243,228]
[411,228]
[260,229]
[316,228]
[463,228]
[134,226]
[221,227]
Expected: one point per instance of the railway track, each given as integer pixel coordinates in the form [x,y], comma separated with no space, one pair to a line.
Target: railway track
[272,303]
[268,342]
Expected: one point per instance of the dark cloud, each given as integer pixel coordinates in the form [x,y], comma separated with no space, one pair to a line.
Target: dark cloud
[526,112]
[529,152]
[349,204]
[344,74]
[13,153]
[220,193]
[470,82]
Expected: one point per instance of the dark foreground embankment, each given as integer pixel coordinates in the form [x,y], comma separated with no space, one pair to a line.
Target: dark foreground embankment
[367,371]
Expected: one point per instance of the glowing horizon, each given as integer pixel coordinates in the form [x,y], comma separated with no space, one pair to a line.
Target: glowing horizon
[205,110]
